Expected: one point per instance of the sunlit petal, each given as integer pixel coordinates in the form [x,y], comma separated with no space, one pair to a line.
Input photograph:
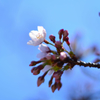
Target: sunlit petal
[37,36]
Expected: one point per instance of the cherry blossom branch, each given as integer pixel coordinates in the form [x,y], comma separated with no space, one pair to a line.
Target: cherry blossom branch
[53,62]
[81,63]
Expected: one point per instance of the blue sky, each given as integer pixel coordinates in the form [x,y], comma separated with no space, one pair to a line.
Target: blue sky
[17,19]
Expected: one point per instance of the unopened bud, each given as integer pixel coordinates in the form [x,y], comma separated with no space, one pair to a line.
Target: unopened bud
[50,82]
[61,33]
[33,63]
[40,67]
[54,87]
[57,74]
[40,81]
[57,80]
[58,44]
[52,38]
[59,85]
[65,34]
[66,38]
[35,70]
[63,55]
[68,43]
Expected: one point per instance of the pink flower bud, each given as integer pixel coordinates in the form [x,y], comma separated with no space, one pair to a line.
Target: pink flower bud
[54,87]
[57,80]
[58,44]
[68,43]
[63,55]
[52,38]
[61,33]
[40,81]
[59,85]
[65,34]
[50,82]
[35,70]
[40,67]
[33,63]
[66,39]
[57,74]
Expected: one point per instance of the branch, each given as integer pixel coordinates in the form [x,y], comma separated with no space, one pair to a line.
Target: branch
[81,63]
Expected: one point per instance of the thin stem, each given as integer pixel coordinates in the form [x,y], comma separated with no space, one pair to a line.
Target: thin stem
[51,44]
[48,42]
[70,48]
[65,50]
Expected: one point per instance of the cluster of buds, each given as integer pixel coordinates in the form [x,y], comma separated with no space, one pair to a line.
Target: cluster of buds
[51,62]
[65,34]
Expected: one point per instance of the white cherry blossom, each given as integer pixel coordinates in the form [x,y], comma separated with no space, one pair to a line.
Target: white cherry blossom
[37,36]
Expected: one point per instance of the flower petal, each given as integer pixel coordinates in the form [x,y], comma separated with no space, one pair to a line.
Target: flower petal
[33,35]
[41,55]
[30,42]
[43,48]
[46,68]
[50,72]
[42,31]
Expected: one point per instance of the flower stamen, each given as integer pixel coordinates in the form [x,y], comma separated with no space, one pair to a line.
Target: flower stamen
[38,36]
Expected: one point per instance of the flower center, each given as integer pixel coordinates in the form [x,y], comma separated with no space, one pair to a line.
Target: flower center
[38,36]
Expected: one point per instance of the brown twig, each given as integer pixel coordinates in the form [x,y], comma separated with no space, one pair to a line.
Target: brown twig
[81,63]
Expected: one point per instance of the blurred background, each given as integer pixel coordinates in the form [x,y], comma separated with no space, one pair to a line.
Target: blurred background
[18,18]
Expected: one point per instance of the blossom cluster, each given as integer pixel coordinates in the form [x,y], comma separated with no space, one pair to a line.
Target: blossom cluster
[51,62]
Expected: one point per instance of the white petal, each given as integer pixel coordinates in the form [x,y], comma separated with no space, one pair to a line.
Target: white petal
[46,68]
[30,42]
[43,48]
[41,55]
[50,72]
[40,40]
[33,35]
[42,31]
[40,28]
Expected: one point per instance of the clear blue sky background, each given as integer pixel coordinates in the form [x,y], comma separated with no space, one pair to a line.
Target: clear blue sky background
[17,19]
